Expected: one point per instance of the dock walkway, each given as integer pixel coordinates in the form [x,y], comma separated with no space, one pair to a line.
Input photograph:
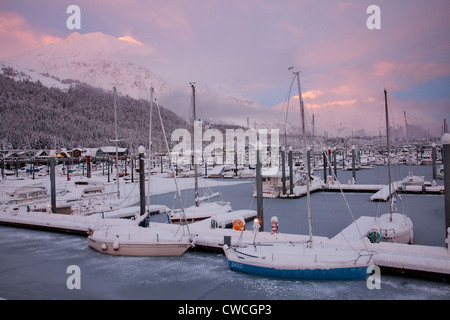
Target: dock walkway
[416,260]
[381,191]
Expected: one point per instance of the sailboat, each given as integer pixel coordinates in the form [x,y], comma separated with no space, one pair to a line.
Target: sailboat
[325,260]
[156,240]
[132,239]
[392,226]
[201,209]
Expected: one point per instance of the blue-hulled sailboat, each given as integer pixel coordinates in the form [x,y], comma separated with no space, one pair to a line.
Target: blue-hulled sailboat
[306,260]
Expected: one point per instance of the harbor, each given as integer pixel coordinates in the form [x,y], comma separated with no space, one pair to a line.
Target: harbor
[215,151]
[426,259]
[110,277]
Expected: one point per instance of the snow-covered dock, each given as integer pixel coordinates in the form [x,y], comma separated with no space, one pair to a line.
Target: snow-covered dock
[415,260]
[384,195]
[381,191]
[56,222]
[425,261]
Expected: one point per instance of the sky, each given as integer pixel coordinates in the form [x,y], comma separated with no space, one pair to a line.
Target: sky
[244,49]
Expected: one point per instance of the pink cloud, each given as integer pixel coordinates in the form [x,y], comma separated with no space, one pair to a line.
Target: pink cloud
[412,72]
[19,35]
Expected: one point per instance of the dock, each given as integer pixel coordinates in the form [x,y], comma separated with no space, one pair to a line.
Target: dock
[399,186]
[401,259]
[381,192]
[428,262]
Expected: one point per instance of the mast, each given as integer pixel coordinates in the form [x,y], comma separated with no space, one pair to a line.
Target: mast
[389,155]
[150,147]
[308,196]
[406,126]
[195,155]
[116,141]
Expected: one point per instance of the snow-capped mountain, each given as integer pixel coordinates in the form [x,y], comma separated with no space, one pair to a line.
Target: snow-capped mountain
[104,61]
[97,59]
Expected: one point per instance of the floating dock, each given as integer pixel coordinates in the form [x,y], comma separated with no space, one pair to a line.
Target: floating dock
[381,191]
[413,260]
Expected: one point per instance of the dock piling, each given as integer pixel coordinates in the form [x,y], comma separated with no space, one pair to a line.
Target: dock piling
[446,161]
[52,184]
[141,180]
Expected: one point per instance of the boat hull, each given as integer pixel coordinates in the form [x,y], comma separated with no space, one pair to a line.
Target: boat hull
[301,274]
[204,211]
[286,262]
[154,249]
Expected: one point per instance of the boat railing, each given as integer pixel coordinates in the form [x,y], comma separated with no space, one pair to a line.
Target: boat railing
[389,233]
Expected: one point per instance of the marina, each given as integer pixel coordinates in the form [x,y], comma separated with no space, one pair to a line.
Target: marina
[426,259]
[172,158]
[42,274]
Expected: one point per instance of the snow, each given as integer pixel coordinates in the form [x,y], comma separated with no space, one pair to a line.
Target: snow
[102,208]
[96,59]
[445,138]
[416,257]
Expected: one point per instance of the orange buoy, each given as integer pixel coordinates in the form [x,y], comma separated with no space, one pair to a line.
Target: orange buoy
[239,224]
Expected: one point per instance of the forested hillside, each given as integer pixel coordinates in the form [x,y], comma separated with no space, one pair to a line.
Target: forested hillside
[33,116]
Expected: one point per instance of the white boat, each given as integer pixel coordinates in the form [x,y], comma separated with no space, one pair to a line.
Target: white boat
[393,226]
[155,239]
[412,180]
[27,195]
[152,241]
[295,261]
[203,211]
[272,182]
[427,159]
[298,260]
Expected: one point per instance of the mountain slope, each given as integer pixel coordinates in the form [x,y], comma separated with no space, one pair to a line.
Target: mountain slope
[35,116]
[97,59]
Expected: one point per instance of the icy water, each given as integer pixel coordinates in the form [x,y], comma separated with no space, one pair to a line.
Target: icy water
[34,264]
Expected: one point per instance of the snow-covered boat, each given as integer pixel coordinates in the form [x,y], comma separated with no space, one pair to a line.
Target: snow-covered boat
[26,195]
[295,261]
[133,240]
[393,226]
[299,260]
[203,211]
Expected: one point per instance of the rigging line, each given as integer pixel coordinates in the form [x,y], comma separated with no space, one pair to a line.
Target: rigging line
[129,194]
[288,97]
[345,199]
[286,104]
[171,165]
[335,222]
